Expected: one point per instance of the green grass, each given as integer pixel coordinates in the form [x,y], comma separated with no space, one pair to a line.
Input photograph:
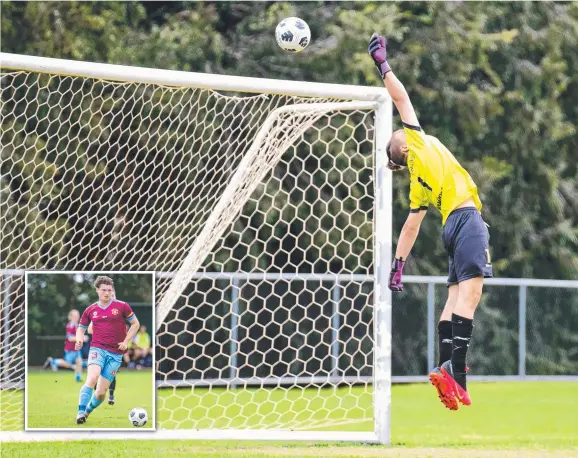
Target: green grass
[345,408]
[53,400]
[525,420]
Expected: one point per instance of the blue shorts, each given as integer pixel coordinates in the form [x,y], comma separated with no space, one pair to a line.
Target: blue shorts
[467,241]
[71,356]
[108,361]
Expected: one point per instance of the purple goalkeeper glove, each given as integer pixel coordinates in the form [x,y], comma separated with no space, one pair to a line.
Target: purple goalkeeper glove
[395,283]
[377,52]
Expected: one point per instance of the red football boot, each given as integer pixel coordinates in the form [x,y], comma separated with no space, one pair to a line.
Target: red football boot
[444,388]
[458,392]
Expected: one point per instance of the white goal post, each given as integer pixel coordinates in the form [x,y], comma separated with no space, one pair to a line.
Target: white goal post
[246,196]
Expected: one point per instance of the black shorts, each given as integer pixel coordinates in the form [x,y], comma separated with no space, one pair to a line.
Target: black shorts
[467,241]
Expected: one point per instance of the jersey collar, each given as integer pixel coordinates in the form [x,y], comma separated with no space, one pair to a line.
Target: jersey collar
[104,306]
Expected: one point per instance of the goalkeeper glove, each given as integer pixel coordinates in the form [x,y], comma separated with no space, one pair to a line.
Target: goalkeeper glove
[395,283]
[378,53]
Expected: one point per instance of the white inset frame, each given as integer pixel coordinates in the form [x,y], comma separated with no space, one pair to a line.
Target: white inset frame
[90,431]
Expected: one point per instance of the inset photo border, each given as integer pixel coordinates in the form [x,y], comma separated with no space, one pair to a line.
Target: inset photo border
[83,370]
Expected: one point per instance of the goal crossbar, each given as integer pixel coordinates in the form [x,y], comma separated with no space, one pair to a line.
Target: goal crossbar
[190,79]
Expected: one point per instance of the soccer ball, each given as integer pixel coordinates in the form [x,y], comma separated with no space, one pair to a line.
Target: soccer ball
[293,34]
[138,417]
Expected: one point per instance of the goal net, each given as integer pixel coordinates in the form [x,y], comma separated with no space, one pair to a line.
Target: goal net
[263,207]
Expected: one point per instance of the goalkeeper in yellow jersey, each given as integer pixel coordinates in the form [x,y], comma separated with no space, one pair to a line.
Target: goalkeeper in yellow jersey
[437,178]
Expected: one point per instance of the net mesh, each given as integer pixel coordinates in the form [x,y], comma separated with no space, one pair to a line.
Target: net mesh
[268,199]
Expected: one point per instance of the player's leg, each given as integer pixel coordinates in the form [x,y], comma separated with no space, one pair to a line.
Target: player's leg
[111,389]
[445,334]
[50,363]
[86,391]
[63,364]
[111,366]
[78,367]
[437,379]
[96,361]
[472,264]
[99,394]
[71,360]
[56,363]
[470,293]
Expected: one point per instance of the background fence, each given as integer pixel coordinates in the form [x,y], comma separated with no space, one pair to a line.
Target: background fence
[309,319]
[512,340]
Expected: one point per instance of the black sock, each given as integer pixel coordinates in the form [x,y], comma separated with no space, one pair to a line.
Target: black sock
[445,334]
[462,333]
[112,387]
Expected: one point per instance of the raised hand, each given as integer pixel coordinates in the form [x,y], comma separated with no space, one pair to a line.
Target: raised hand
[377,51]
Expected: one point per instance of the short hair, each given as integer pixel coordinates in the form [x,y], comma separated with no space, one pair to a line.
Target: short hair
[397,150]
[102,280]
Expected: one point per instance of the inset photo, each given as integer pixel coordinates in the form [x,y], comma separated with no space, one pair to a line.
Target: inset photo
[90,351]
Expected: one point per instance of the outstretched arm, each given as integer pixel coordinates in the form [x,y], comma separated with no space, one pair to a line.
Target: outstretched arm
[377,51]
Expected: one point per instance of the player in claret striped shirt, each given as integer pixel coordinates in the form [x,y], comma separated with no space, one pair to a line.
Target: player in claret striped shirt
[110,340]
[437,178]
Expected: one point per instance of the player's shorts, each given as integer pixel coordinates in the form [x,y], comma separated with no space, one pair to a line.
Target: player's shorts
[467,241]
[71,356]
[108,361]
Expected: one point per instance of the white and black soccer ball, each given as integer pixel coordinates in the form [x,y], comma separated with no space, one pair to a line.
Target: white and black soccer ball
[138,417]
[293,34]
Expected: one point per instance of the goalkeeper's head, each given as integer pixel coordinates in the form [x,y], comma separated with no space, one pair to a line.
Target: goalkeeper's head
[397,151]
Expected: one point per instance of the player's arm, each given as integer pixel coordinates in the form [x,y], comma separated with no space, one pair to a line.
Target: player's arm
[81,330]
[400,97]
[418,204]
[131,333]
[407,239]
[408,234]
[134,326]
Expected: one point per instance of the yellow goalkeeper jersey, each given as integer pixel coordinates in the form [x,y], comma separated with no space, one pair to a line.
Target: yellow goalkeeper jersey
[436,177]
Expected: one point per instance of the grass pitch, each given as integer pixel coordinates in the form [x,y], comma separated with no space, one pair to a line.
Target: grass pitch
[53,400]
[508,419]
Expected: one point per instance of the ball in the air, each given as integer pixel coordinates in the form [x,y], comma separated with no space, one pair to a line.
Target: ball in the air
[138,417]
[293,34]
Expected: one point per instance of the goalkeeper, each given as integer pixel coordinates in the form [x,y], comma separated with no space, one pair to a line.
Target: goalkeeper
[437,178]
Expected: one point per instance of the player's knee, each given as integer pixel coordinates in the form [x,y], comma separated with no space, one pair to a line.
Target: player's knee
[100,395]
